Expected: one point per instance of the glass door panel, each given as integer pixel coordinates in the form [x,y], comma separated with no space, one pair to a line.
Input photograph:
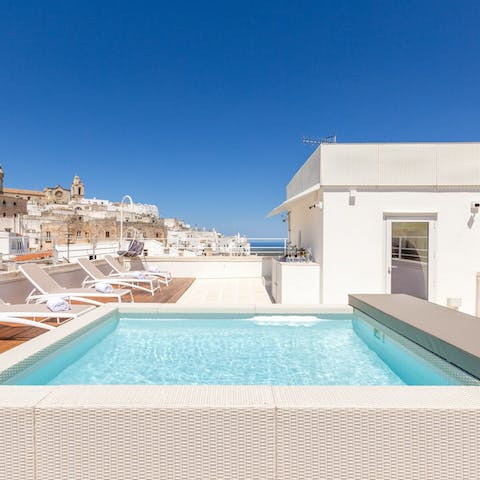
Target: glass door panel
[410,258]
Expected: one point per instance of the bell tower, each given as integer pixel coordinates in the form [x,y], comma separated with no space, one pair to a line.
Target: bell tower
[77,189]
[2,174]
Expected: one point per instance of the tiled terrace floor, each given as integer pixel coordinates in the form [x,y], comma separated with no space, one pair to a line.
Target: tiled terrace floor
[229,291]
[13,335]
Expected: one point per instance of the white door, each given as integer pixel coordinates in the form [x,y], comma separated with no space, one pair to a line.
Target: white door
[410,257]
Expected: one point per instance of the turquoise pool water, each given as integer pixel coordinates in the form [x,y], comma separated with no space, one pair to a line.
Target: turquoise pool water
[236,350]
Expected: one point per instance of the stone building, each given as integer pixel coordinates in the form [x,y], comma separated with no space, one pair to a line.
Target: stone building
[78,229]
[57,215]
[27,195]
[77,189]
[50,195]
[11,208]
[58,195]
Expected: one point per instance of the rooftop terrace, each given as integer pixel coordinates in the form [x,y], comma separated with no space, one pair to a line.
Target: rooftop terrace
[230,286]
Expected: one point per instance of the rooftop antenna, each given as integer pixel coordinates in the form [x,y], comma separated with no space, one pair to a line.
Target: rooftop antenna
[319,141]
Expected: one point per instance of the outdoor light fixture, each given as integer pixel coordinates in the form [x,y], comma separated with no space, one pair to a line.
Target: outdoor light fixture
[352,194]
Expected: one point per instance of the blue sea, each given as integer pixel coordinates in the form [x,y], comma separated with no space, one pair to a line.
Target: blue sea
[268,247]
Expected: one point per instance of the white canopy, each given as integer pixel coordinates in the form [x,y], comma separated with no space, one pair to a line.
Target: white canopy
[287,203]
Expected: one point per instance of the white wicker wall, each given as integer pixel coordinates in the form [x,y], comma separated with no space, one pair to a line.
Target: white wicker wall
[215,432]
[17,431]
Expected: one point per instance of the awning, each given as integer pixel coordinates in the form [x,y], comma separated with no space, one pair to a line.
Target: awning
[287,203]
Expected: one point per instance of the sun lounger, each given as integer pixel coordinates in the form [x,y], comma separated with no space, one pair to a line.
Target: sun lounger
[134,249]
[45,286]
[118,269]
[95,275]
[23,311]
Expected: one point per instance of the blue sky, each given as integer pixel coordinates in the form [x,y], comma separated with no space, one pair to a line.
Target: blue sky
[199,107]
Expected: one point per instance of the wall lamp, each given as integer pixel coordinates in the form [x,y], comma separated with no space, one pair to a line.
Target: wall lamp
[352,195]
[316,205]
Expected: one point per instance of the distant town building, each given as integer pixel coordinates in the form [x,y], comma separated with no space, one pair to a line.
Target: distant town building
[11,208]
[58,215]
[55,218]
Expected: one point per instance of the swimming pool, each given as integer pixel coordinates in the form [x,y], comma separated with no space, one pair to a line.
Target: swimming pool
[220,349]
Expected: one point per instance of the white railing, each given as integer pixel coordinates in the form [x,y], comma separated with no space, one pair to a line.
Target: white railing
[78,247]
[73,251]
[268,246]
[413,248]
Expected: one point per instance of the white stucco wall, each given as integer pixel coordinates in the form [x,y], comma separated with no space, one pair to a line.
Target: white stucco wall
[349,241]
[354,246]
[210,267]
[310,223]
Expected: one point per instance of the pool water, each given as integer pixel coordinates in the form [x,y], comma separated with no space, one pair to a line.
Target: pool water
[235,350]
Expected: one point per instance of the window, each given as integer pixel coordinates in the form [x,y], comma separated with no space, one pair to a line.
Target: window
[107,234]
[14,204]
[48,235]
[4,203]
[156,235]
[4,214]
[79,234]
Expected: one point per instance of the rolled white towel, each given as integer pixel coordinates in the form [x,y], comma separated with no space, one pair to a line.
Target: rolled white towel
[103,287]
[57,304]
[139,275]
[154,269]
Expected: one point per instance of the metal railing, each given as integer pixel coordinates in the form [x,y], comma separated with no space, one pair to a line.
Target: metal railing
[81,246]
[413,248]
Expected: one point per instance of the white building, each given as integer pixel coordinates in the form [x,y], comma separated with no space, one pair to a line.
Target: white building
[12,244]
[390,218]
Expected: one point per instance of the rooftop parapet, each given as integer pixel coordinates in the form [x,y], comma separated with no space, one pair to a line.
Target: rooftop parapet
[405,165]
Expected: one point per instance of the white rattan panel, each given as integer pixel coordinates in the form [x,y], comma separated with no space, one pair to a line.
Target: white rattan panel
[361,433]
[115,436]
[17,426]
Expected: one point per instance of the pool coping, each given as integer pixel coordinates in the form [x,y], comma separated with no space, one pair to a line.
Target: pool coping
[447,333]
[231,432]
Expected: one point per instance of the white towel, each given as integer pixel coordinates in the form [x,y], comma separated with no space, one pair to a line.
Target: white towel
[103,287]
[57,304]
[139,275]
[154,269]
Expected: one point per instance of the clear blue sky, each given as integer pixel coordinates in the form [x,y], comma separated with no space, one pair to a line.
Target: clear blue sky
[199,107]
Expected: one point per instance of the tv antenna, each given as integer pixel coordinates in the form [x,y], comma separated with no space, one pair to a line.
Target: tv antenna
[319,141]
